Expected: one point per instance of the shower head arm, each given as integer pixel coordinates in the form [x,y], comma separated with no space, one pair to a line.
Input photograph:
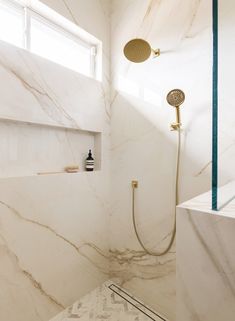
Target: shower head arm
[156,52]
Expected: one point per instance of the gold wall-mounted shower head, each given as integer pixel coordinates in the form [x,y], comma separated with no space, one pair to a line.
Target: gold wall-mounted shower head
[175,98]
[138,50]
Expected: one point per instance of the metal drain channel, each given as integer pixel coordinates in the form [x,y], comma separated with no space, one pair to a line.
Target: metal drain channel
[116,290]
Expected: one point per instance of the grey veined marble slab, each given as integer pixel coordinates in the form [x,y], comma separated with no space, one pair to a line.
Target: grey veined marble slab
[110,303]
[206,261]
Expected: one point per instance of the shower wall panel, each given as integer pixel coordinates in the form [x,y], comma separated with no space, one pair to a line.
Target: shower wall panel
[144,148]
[53,228]
[205,259]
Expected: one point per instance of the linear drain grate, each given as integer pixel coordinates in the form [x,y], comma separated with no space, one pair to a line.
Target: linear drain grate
[137,304]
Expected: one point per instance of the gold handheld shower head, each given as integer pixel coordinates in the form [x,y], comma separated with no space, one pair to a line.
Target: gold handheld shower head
[175,98]
[138,50]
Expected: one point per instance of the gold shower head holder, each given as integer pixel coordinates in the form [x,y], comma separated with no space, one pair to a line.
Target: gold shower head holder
[139,50]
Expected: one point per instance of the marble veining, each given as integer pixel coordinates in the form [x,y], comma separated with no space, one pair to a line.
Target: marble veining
[33,242]
[140,133]
[48,104]
[43,97]
[28,275]
[70,12]
[205,275]
[53,228]
[74,222]
[129,265]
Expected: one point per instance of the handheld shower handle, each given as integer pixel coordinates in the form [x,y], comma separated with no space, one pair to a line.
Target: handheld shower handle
[177,124]
[177,110]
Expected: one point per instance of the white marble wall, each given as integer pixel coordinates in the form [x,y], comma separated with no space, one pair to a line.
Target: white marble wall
[29,149]
[53,229]
[62,218]
[205,260]
[53,243]
[144,148]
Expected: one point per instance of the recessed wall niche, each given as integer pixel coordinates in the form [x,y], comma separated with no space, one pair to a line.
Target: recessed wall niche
[36,149]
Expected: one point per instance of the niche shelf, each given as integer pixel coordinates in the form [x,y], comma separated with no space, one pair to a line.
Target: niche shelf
[29,149]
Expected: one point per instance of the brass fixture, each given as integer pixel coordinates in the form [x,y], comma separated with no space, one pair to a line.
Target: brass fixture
[138,50]
[173,233]
[134,184]
[175,98]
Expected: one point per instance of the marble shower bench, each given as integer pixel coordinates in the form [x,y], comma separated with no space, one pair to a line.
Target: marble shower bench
[206,258]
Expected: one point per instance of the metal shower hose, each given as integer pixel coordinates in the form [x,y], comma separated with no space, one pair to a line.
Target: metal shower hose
[163,252]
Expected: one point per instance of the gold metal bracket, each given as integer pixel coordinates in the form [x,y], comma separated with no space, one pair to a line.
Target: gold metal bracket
[175,126]
[134,184]
[156,52]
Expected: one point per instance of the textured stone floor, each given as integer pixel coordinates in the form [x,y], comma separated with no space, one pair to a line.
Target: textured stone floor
[108,303]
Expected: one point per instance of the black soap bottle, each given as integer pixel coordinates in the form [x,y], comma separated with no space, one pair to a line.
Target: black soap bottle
[89,162]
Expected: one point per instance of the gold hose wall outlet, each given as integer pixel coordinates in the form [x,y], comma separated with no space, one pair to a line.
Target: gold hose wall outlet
[134,184]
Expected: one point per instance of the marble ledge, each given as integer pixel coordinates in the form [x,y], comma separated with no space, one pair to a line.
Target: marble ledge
[202,203]
[54,174]
[94,131]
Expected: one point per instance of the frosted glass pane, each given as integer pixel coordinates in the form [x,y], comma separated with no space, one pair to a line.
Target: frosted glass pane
[11,25]
[56,46]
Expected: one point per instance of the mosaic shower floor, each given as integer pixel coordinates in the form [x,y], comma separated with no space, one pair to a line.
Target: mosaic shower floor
[108,303]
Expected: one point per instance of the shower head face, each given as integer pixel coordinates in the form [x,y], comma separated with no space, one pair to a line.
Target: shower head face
[137,50]
[175,97]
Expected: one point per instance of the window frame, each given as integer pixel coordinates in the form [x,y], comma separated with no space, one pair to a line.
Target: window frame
[30,13]
[18,7]
[87,41]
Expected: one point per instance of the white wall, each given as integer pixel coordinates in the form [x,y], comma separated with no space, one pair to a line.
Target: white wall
[53,228]
[144,148]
